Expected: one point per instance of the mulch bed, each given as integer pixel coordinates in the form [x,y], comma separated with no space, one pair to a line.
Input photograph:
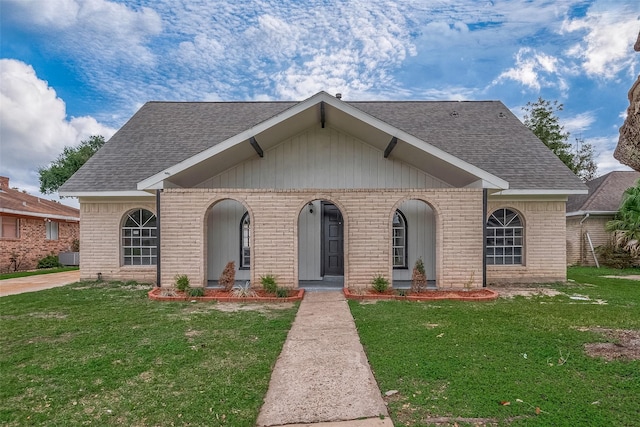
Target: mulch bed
[160,294]
[448,294]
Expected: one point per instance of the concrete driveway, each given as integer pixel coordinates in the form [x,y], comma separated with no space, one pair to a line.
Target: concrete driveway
[36,283]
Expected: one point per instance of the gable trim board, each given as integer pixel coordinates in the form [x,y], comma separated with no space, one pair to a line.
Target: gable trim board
[191,185]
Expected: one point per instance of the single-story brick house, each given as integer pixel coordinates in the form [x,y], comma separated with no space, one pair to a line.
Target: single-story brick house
[587,214]
[324,188]
[32,228]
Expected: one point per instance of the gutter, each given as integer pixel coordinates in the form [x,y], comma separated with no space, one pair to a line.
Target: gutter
[582,213]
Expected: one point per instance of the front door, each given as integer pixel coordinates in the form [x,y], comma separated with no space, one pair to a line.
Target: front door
[332,241]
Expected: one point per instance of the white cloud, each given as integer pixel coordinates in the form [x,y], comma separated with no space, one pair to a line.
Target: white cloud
[35,127]
[607,46]
[579,123]
[95,31]
[534,70]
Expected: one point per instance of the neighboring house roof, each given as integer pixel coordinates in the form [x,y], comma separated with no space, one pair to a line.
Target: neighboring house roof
[482,134]
[17,203]
[605,194]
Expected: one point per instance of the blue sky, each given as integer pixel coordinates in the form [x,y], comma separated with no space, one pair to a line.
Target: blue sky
[73,68]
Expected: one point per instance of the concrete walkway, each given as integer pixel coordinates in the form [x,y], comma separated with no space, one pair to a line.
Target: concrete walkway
[322,375]
[36,283]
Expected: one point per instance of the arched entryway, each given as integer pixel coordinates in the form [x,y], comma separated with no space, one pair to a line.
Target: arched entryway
[413,236]
[228,238]
[321,249]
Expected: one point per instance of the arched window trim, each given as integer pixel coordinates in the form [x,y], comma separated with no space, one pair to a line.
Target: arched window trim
[139,241]
[505,237]
[245,242]
[401,246]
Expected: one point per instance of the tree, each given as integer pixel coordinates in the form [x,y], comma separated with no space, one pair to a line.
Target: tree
[67,163]
[626,225]
[540,117]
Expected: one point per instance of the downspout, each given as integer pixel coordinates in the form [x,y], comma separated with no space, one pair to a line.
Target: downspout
[582,249]
[158,257]
[484,237]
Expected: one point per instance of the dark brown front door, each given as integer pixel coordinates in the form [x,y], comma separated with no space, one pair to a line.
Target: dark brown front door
[332,241]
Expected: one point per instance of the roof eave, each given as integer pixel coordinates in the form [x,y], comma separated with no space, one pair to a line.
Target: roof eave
[128,193]
[39,215]
[539,192]
[595,213]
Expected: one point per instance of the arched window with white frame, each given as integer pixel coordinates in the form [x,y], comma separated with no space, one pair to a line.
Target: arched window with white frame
[139,238]
[399,240]
[245,242]
[505,238]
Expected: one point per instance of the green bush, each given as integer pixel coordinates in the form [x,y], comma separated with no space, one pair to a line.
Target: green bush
[196,292]
[50,261]
[615,257]
[282,292]
[182,283]
[380,283]
[269,283]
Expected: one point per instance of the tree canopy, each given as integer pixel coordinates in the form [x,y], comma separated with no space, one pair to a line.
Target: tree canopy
[541,118]
[67,163]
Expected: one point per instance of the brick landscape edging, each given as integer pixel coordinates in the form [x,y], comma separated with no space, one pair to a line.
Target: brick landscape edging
[446,295]
[155,294]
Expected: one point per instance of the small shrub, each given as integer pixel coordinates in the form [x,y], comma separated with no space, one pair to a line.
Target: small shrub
[269,283]
[50,261]
[243,291]
[182,283]
[228,277]
[419,277]
[380,283]
[196,292]
[282,292]
[615,257]
[402,292]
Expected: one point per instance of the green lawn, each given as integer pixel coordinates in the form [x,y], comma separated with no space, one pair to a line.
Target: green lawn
[460,361]
[36,272]
[104,354]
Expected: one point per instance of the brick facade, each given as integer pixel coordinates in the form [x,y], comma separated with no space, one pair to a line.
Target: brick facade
[544,247]
[578,249]
[100,224]
[32,245]
[367,218]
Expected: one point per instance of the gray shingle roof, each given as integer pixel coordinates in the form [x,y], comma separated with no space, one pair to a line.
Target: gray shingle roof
[605,193]
[483,133]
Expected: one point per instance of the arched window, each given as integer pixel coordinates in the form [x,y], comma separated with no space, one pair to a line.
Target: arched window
[245,242]
[399,240]
[505,238]
[139,238]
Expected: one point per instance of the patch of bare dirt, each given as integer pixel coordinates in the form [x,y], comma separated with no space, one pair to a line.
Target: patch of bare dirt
[630,277]
[625,347]
[234,307]
[510,291]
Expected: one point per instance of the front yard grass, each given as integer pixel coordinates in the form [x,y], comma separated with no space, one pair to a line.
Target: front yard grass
[518,361]
[16,274]
[104,354]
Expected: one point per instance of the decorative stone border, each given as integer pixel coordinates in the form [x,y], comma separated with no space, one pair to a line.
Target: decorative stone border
[156,294]
[450,294]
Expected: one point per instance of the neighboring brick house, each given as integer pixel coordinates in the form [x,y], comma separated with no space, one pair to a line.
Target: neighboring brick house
[587,214]
[32,228]
[324,189]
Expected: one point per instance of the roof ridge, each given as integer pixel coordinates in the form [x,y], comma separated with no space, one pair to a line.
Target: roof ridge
[592,194]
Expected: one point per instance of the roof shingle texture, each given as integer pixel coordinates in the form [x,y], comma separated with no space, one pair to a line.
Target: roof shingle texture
[20,202]
[605,193]
[483,133]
